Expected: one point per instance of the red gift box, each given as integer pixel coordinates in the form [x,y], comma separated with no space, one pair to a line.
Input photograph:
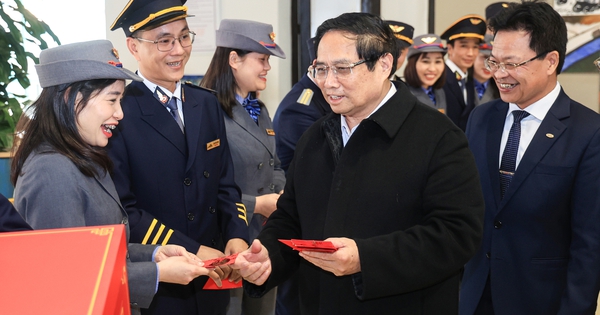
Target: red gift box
[65,271]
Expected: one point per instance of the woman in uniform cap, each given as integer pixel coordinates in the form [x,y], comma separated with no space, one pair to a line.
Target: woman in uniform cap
[61,172]
[238,71]
[424,72]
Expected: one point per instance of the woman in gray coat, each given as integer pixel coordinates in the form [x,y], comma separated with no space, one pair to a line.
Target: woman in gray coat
[237,72]
[61,171]
[424,72]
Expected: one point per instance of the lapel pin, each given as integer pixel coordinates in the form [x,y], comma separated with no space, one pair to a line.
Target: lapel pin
[213,144]
[549,135]
[270,132]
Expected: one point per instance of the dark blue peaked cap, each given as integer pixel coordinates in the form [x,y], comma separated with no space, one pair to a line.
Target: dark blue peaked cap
[147,14]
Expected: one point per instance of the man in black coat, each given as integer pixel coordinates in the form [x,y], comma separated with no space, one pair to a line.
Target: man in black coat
[387,180]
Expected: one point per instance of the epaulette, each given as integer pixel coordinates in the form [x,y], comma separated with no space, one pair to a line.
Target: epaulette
[305,97]
[190,84]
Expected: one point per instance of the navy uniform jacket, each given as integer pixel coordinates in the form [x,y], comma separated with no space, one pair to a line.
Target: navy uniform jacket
[541,242]
[299,109]
[177,188]
[456,109]
[10,219]
[405,188]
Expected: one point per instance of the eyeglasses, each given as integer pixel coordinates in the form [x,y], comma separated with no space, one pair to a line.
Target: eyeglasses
[495,66]
[597,63]
[166,43]
[320,72]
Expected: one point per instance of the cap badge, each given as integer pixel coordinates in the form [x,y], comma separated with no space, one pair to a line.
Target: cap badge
[505,5]
[429,40]
[396,28]
[116,64]
[475,21]
[115,53]
[272,36]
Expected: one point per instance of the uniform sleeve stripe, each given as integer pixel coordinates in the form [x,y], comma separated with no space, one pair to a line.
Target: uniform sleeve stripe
[242,209]
[150,229]
[160,230]
[167,237]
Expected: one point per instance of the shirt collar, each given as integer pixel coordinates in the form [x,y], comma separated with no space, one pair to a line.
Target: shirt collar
[389,95]
[153,86]
[540,108]
[455,68]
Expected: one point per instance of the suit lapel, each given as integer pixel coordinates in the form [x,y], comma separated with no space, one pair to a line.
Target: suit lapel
[259,132]
[154,113]
[494,136]
[541,142]
[193,116]
[454,86]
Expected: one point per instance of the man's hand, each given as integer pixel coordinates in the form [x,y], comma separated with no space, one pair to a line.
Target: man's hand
[205,252]
[344,261]
[234,246]
[254,264]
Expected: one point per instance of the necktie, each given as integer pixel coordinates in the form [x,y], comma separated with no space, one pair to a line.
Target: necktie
[509,156]
[172,105]
[480,88]
[252,107]
[462,82]
[431,95]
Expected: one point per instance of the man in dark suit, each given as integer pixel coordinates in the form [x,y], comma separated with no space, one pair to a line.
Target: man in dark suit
[173,169]
[462,39]
[540,177]
[389,181]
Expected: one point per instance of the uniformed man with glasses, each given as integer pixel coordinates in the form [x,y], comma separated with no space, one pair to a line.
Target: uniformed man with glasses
[538,155]
[389,181]
[172,166]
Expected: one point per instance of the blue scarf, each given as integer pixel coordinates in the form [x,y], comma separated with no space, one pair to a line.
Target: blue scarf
[252,107]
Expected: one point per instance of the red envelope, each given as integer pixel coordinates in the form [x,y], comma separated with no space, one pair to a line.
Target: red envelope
[219,261]
[310,245]
[212,285]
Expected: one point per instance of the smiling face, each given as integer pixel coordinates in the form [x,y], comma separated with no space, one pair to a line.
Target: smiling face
[164,68]
[101,115]
[530,82]
[480,72]
[463,52]
[250,71]
[430,67]
[359,93]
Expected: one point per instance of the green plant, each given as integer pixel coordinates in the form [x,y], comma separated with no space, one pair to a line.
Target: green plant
[17,25]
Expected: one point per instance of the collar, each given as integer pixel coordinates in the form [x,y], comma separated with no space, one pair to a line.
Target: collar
[153,86]
[389,95]
[455,68]
[540,108]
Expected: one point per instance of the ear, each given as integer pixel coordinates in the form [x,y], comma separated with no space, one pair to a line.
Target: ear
[387,61]
[552,59]
[133,46]
[233,60]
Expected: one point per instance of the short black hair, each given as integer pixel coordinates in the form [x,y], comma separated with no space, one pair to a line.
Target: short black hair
[373,37]
[546,28]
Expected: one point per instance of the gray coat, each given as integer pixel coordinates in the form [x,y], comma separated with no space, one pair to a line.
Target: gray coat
[257,169]
[440,98]
[52,193]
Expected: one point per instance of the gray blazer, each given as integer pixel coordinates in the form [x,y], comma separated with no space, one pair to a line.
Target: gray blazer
[52,193]
[257,169]
[440,98]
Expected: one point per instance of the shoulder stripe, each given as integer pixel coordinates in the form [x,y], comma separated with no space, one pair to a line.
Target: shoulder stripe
[305,97]
[160,230]
[242,212]
[164,242]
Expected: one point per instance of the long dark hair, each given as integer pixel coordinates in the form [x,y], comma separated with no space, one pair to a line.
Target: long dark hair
[54,121]
[219,77]
[412,77]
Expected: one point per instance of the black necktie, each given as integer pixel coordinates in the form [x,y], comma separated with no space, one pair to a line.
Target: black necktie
[509,156]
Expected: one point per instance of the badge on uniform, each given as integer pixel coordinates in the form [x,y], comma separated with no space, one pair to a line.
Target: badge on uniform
[213,144]
[270,132]
[305,97]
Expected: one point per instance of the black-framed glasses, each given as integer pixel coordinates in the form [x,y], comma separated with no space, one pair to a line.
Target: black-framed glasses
[166,43]
[494,66]
[319,72]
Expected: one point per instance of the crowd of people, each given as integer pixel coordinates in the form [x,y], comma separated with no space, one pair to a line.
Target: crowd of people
[469,184]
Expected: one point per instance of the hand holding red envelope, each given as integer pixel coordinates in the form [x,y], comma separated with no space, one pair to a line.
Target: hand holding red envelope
[216,262]
[310,245]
